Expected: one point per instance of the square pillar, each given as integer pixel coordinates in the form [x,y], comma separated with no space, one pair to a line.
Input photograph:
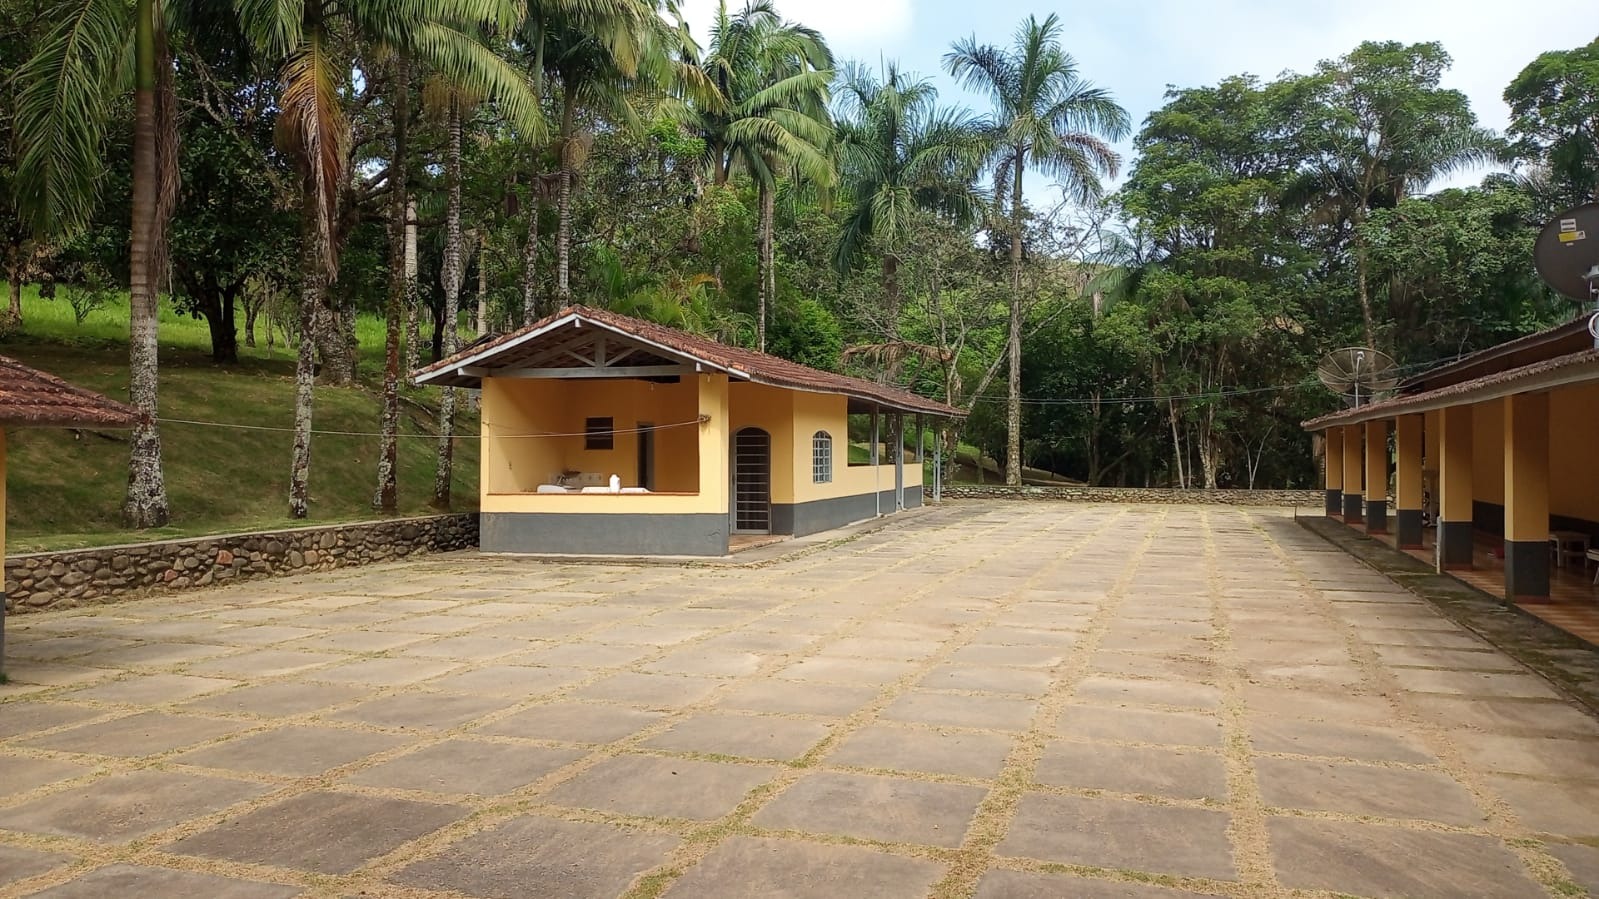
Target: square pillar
[1408,491]
[1527,496]
[1377,477]
[1332,453]
[1353,456]
[1454,488]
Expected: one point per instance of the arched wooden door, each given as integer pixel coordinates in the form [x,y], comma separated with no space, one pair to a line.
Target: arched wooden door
[752,482]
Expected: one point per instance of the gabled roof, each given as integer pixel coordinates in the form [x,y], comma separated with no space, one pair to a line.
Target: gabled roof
[467,367]
[1550,343]
[29,398]
[1573,368]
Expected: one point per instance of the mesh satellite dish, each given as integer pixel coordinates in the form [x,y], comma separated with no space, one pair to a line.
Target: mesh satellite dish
[1567,253]
[1358,373]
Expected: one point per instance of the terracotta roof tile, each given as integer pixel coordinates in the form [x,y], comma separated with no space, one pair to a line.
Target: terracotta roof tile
[29,398]
[758,367]
[1493,383]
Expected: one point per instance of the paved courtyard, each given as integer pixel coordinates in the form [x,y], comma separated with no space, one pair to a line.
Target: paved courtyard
[992,700]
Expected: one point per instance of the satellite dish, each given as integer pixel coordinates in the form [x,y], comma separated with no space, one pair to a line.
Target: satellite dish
[1567,253]
[1357,373]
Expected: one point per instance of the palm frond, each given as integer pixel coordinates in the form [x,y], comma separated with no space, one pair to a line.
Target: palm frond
[312,128]
[67,87]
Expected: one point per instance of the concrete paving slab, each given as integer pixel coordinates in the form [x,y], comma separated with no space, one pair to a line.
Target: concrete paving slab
[759,868]
[1548,757]
[1276,701]
[279,700]
[828,669]
[1138,725]
[1129,836]
[582,654]
[127,805]
[746,736]
[1581,861]
[136,881]
[146,733]
[652,787]
[1369,743]
[152,689]
[320,832]
[1366,790]
[1507,716]
[424,711]
[914,749]
[22,774]
[787,697]
[297,750]
[19,718]
[1475,683]
[988,679]
[661,691]
[467,766]
[1120,690]
[509,680]
[982,712]
[1172,773]
[1379,861]
[874,807]
[698,661]
[534,856]
[17,863]
[1565,808]
[383,672]
[573,722]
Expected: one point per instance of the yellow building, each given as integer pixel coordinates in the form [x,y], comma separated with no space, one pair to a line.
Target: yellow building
[1500,449]
[604,434]
[29,398]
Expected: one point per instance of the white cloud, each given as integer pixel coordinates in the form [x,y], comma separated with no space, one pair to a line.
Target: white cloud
[852,27]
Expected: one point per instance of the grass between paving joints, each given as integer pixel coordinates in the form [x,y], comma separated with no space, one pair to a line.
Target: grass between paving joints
[1502,822]
[1568,662]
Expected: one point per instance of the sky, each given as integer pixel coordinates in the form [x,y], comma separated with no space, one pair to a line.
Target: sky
[1137,48]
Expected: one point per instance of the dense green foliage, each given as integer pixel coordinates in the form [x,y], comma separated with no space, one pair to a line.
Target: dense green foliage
[757,190]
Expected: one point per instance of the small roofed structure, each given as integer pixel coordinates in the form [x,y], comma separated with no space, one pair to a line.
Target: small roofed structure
[609,435]
[30,398]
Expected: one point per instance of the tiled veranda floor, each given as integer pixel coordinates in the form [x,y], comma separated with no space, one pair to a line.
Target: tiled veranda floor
[1573,604]
[1000,700]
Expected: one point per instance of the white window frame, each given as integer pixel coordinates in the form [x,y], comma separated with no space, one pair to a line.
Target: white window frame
[821,458]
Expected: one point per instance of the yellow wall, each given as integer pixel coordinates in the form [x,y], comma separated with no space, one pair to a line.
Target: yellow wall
[1574,452]
[1526,472]
[1488,452]
[772,410]
[690,459]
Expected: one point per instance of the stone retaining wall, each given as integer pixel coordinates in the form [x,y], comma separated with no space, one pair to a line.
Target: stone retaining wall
[101,574]
[1316,498]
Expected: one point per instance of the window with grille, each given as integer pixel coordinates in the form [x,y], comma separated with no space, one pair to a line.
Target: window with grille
[822,458]
[599,434]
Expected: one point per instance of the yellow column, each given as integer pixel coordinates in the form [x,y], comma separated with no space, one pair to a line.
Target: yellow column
[716,443]
[1407,477]
[1454,487]
[1332,452]
[1354,491]
[1527,496]
[1377,477]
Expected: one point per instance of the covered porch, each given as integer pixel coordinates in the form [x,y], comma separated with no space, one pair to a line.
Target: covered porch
[1487,469]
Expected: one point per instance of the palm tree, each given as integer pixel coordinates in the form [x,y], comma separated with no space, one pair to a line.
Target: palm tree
[68,89]
[306,34]
[765,113]
[1048,117]
[900,155]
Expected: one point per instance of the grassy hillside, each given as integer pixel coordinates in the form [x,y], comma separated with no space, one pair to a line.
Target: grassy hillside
[65,488]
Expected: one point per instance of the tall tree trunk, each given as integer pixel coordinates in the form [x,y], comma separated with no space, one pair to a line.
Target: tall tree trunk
[387,498]
[563,235]
[482,283]
[335,322]
[221,321]
[1013,398]
[530,256]
[146,503]
[452,272]
[1362,285]
[311,289]
[15,312]
[413,298]
[768,199]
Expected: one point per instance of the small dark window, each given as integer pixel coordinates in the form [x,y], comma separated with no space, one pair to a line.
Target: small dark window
[599,434]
